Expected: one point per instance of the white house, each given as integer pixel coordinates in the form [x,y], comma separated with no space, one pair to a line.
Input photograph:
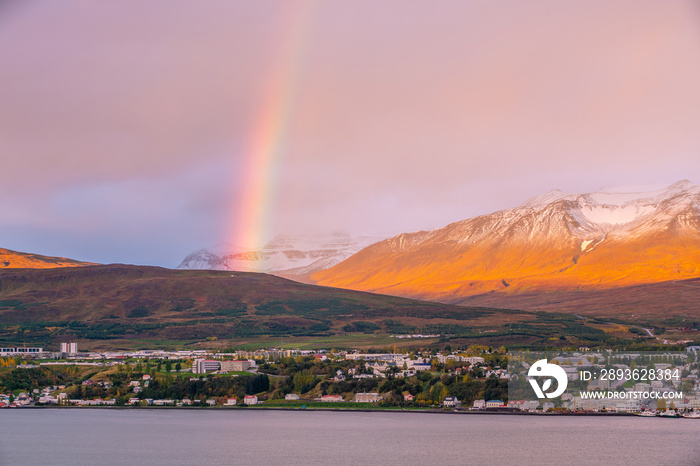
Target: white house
[362,397]
[291,397]
[694,403]
[531,405]
[517,404]
[250,400]
[451,402]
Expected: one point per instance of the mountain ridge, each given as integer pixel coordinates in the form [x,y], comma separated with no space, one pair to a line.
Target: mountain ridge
[557,241]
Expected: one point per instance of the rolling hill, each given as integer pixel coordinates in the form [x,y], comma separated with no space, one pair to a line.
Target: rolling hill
[22,260]
[116,306]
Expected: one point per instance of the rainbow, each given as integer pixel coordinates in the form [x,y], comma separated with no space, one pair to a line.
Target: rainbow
[251,228]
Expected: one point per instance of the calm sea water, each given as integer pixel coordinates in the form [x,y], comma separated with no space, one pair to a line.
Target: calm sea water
[247,437]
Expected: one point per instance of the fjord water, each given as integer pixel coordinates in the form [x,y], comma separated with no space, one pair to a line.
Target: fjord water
[257,437]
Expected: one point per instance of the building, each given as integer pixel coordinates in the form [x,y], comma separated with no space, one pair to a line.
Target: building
[19,351]
[475,360]
[479,404]
[202,366]
[494,404]
[163,402]
[451,402]
[420,367]
[367,397]
[330,399]
[642,387]
[69,348]
[628,406]
[291,397]
[231,402]
[375,357]
[250,400]
[517,404]
[235,366]
[408,397]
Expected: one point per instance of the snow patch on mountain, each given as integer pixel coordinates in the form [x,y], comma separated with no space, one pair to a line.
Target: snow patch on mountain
[619,210]
[615,214]
[589,217]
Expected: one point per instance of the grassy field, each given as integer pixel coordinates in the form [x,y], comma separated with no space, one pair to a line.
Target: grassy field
[351,340]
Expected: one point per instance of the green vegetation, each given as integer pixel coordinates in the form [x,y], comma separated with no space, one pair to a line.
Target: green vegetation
[122,307]
[27,379]
[360,326]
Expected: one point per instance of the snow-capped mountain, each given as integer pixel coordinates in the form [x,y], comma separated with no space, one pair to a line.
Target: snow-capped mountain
[295,256]
[613,237]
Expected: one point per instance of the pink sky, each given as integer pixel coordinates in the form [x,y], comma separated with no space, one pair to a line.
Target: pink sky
[125,126]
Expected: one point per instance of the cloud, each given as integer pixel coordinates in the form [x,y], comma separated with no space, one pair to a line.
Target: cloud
[131,122]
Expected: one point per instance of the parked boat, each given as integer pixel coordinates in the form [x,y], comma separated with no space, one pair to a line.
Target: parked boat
[647,414]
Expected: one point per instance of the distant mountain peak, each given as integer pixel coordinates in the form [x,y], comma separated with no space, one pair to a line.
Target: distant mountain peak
[296,256]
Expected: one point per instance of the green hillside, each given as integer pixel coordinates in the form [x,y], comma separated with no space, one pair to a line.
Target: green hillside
[124,306]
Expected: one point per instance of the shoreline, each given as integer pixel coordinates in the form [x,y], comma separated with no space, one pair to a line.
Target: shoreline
[331,409]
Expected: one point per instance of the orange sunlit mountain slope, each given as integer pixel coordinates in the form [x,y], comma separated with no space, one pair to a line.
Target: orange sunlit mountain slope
[22,260]
[611,238]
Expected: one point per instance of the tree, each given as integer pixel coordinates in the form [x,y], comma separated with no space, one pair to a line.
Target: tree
[438,392]
[495,389]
